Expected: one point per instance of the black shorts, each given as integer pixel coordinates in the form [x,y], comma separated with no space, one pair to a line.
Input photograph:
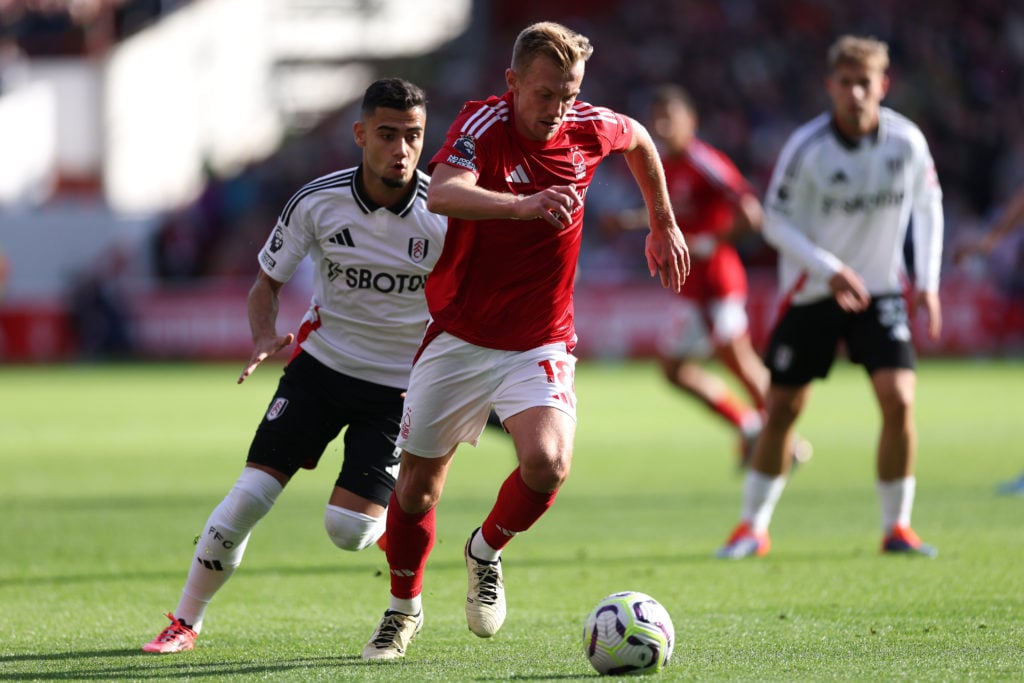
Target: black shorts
[804,343]
[313,403]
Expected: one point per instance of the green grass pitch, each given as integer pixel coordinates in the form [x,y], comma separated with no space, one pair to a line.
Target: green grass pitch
[108,472]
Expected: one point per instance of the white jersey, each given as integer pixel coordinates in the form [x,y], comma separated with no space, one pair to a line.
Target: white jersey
[368,311]
[833,201]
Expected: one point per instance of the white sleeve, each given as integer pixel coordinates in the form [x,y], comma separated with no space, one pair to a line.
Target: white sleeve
[927,220]
[288,244]
[789,210]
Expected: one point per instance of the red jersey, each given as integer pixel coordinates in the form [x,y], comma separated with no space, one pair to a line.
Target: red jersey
[705,187]
[508,284]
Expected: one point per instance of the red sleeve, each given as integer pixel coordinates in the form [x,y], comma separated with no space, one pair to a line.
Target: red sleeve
[459,148]
[613,129]
[623,136]
[719,171]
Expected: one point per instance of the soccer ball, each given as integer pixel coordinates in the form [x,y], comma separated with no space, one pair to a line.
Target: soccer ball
[628,633]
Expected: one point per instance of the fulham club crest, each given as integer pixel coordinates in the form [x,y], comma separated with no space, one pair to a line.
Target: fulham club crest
[277,408]
[418,247]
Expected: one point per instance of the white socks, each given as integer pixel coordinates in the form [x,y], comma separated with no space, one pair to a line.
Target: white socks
[412,606]
[481,549]
[896,499]
[220,547]
[760,495]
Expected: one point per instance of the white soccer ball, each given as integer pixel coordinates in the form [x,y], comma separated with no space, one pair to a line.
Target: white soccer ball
[628,633]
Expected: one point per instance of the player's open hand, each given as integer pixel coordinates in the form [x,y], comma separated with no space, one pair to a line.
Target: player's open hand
[264,349]
[929,301]
[849,290]
[668,257]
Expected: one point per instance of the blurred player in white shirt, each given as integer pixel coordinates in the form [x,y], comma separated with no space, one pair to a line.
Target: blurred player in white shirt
[846,186]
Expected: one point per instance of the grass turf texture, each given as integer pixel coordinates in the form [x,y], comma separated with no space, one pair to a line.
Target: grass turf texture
[108,472]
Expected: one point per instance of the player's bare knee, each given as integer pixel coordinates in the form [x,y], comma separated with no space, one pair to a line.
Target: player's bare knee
[896,404]
[416,502]
[350,530]
[545,474]
[418,494]
[690,375]
[897,412]
[670,369]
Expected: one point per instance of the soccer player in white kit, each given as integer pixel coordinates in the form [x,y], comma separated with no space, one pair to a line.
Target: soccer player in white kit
[846,186]
[372,242]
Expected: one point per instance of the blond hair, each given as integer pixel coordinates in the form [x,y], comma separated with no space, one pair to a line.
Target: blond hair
[562,45]
[859,51]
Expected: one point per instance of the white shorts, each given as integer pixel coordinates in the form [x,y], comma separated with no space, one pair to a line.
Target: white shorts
[454,384]
[685,333]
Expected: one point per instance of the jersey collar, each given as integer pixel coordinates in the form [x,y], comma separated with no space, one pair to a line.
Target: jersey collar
[854,143]
[400,208]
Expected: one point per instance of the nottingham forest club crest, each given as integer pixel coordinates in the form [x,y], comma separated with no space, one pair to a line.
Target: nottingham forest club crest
[579,163]
[418,247]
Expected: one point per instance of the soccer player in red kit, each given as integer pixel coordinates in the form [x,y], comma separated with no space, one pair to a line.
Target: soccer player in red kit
[717,204]
[709,318]
[512,177]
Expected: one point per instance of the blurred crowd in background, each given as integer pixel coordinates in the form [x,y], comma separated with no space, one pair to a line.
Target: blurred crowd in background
[755,69]
[54,28]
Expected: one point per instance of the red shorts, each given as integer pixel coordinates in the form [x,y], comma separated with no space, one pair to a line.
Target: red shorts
[720,277]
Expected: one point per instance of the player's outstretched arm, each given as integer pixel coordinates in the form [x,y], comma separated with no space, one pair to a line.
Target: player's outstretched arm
[1011,219]
[263,307]
[667,253]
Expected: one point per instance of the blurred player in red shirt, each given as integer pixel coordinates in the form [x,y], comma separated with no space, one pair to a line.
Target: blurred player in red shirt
[709,319]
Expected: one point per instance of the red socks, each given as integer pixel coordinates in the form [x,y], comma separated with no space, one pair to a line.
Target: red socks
[517,508]
[731,408]
[410,540]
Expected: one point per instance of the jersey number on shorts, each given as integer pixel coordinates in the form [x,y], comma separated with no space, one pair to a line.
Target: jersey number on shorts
[560,374]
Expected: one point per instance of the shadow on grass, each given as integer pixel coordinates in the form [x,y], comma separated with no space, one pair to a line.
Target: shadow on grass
[545,677]
[144,665]
[380,568]
[120,576]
